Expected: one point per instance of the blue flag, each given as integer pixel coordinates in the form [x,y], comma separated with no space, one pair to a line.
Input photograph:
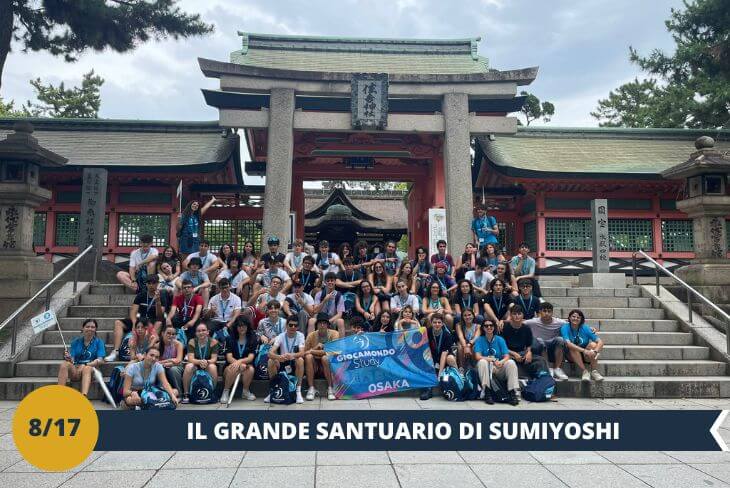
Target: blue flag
[375,363]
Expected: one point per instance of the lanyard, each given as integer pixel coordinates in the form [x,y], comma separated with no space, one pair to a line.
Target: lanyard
[290,345]
[497,306]
[297,259]
[86,349]
[466,307]
[369,302]
[242,348]
[489,346]
[400,301]
[223,309]
[200,351]
[279,327]
[470,331]
[443,285]
[309,275]
[149,304]
[441,338]
[576,337]
[526,307]
[435,303]
[186,307]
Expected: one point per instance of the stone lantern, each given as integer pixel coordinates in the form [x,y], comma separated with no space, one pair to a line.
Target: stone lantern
[706,202]
[21,159]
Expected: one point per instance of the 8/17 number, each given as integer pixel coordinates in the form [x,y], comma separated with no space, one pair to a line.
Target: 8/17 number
[59,426]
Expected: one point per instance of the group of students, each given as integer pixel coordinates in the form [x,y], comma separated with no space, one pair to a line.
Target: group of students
[482,310]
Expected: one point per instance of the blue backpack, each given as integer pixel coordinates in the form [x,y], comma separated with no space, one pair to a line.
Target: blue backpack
[116,383]
[349,301]
[202,389]
[472,385]
[261,363]
[124,354]
[221,335]
[539,389]
[283,388]
[154,398]
[452,384]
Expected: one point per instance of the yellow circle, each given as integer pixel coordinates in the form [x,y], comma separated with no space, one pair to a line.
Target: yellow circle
[55,428]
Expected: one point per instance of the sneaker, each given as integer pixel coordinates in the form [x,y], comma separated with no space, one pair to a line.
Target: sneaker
[488,399]
[552,372]
[186,399]
[596,375]
[560,374]
[111,357]
[267,399]
[513,400]
[586,376]
[311,393]
[299,397]
[426,394]
[330,393]
[225,395]
[247,395]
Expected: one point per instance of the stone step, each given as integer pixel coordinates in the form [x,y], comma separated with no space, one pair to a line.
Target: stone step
[614,313]
[109,289]
[647,338]
[96,311]
[635,325]
[75,323]
[53,337]
[602,302]
[52,351]
[654,367]
[654,352]
[107,300]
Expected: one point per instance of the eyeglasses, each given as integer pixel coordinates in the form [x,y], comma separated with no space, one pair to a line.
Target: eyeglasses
[292,324]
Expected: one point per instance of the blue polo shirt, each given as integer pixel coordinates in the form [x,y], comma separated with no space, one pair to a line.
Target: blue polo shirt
[580,337]
[84,355]
[482,228]
[496,348]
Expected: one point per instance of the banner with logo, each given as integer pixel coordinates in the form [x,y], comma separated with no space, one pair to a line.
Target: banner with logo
[371,364]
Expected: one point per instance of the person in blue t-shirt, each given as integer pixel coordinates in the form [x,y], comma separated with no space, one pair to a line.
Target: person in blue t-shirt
[484,228]
[582,345]
[86,353]
[492,358]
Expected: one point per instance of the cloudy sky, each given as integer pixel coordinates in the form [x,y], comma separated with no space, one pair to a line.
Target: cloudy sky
[581,47]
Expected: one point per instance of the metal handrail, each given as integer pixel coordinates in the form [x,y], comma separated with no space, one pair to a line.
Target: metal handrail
[47,289]
[691,291]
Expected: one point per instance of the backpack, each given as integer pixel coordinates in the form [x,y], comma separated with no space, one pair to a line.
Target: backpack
[202,389]
[539,389]
[472,385]
[154,398]
[123,353]
[283,388]
[497,389]
[349,300]
[538,367]
[452,384]
[116,384]
[261,363]
[221,335]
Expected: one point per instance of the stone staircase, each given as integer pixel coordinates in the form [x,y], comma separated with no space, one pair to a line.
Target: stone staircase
[646,355]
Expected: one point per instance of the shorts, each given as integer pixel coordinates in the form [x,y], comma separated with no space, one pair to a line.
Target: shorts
[551,345]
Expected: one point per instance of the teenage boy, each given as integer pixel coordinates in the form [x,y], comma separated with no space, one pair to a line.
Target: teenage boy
[315,357]
[391,261]
[326,261]
[403,298]
[224,308]
[264,276]
[527,300]
[272,325]
[484,228]
[185,311]
[235,274]
[442,257]
[331,302]
[293,260]
[309,278]
[493,360]
[200,280]
[299,304]
[287,353]
[518,337]
[441,343]
[523,268]
[257,304]
[210,264]
[480,277]
[547,339]
[273,254]
[141,264]
[349,278]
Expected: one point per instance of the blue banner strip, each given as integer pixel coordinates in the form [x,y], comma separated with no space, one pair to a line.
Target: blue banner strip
[434,430]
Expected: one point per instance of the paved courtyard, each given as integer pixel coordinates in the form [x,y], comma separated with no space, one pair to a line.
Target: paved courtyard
[388,469]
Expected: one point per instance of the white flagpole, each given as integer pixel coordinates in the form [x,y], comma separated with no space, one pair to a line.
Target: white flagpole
[233,390]
[100,379]
[179,195]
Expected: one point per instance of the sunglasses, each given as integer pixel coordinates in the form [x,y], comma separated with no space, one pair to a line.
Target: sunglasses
[292,324]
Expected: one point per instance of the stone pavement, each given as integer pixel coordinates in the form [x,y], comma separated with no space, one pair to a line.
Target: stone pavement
[389,469]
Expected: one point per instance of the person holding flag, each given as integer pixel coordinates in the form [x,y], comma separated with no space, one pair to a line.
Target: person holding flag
[86,353]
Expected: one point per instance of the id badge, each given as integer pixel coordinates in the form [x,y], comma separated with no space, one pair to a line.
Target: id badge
[287,368]
[195,235]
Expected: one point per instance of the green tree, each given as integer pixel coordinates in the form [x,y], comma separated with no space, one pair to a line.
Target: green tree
[8,109]
[69,27]
[533,109]
[58,101]
[690,87]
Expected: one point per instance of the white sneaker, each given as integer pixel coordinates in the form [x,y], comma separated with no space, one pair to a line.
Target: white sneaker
[299,397]
[330,394]
[560,374]
[247,395]
[225,395]
[267,399]
[586,376]
[311,392]
[111,357]
[596,375]
[552,372]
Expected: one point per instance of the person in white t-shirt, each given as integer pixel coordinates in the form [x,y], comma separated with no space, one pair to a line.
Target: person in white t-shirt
[287,353]
[224,308]
[326,261]
[263,277]
[141,264]
[480,277]
[235,274]
[210,264]
[293,260]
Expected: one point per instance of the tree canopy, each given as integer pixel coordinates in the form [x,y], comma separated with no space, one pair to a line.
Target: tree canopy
[533,109]
[688,88]
[69,27]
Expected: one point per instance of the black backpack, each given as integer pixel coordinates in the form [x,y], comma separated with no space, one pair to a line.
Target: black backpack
[116,384]
[124,353]
[283,388]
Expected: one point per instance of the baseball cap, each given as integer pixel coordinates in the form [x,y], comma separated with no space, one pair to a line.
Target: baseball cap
[272,240]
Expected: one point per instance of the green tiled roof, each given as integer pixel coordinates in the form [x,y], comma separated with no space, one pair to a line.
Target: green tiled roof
[597,151]
[329,54]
